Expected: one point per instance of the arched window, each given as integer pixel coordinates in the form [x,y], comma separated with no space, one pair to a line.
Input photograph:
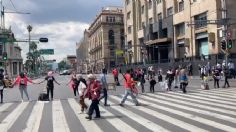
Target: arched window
[111,37]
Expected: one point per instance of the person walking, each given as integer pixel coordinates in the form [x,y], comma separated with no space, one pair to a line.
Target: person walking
[93,93]
[73,83]
[116,76]
[128,84]
[169,78]
[216,77]
[183,80]
[50,83]
[82,88]
[22,81]
[152,84]
[226,75]
[104,87]
[142,80]
[2,86]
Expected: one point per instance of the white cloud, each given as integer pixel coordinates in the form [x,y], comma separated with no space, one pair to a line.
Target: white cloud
[62,35]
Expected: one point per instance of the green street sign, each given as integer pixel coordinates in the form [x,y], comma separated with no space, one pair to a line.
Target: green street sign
[46,51]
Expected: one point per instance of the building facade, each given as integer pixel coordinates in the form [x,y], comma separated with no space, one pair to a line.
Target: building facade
[72,62]
[106,39]
[163,31]
[13,65]
[82,54]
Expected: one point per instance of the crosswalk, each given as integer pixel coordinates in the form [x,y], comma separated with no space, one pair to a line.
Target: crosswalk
[198,111]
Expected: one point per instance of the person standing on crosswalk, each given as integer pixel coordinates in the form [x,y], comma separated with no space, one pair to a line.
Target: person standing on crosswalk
[50,83]
[22,80]
[183,79]
[73,83]
[128,89]
[93,93]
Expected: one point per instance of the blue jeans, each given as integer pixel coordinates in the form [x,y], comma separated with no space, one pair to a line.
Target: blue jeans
[129,92]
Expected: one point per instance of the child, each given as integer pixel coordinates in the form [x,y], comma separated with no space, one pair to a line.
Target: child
[152,84]
[2,86]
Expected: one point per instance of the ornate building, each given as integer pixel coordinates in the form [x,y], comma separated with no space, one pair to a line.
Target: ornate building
[106,39]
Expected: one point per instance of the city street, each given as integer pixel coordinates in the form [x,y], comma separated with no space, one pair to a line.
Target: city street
[198,110]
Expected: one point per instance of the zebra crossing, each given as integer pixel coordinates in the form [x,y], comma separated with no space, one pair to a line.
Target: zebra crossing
[198,111]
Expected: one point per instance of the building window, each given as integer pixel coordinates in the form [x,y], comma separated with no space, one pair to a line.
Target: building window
[122,39]
[170,11]
[150,4]
[110,19]
[180,29]
[1,49]
[127,2]
[111,37]
[14,68]
[142,9]
[201,20]
[159,16]
[181,6]
[129,30]
[159,1]
[194,0]
[128,15]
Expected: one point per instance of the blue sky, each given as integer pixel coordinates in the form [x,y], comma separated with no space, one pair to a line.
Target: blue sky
[62,21]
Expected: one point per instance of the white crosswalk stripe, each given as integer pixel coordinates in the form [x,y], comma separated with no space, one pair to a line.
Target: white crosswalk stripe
[196,111]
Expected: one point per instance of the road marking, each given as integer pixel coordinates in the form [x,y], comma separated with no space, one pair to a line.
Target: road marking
[192,117]
[166,118]
[224,104]
[7,123]
[33,122]
[208,113]
[4,107]
[59,119]
[116,122]
[89,126]
[186,102]
[137,118]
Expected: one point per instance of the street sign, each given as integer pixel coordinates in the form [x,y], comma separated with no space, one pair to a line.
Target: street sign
[46,51]
[119,52]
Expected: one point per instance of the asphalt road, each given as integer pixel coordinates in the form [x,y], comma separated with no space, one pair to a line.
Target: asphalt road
[198,110]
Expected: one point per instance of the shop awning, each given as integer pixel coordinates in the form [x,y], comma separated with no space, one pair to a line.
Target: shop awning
[158,41]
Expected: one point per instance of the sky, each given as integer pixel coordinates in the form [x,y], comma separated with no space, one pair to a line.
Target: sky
[61,21]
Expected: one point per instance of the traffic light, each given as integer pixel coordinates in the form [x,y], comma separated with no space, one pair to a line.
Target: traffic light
[230,44]
[223,45]
[4,56]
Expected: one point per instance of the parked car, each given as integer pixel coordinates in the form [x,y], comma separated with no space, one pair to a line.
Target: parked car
[65,72]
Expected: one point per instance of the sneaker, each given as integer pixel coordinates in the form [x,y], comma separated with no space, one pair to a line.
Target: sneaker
[138,104]
[88,117]
[121,105]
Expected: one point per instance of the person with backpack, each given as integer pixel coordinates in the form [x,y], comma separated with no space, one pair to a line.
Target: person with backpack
[73,83]
[183,79]
[104,87]
[22,80]
[93,93]
[50,83]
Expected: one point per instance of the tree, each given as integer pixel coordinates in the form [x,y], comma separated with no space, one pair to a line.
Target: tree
[62,65]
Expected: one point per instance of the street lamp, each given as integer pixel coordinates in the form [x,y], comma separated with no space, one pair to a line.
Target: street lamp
[29,28]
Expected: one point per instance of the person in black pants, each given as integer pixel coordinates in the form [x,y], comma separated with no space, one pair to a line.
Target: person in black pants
[50,83]
[216,76]
[227,75]
[152,84]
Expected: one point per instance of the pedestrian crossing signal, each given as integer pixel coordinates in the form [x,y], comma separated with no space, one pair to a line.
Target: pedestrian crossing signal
[4,56]
[230,44]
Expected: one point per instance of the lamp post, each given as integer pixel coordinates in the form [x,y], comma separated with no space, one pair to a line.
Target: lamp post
[29,28]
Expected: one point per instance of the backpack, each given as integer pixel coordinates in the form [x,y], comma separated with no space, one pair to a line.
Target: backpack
[22,81]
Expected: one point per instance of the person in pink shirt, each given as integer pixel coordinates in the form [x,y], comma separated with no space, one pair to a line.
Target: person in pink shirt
[22,81]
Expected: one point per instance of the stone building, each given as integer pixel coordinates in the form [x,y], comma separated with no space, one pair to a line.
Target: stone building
[106,39]
[14,63]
